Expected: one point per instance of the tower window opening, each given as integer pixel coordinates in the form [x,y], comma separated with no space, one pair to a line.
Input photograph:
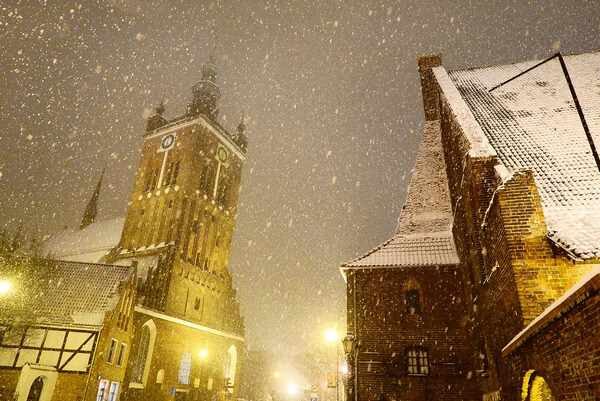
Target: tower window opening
[175,172]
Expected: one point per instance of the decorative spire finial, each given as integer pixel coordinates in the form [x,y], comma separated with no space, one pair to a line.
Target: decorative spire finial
[91,210]
[241,128]
[160,109]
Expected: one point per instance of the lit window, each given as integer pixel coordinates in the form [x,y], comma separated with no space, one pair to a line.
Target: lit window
[111,350]
[418,361]
[114,391]
[413,302]
[102,390]
[185,367]
[121,354]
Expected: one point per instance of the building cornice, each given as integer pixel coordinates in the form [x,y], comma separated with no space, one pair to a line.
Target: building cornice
[186,323]
[200,120]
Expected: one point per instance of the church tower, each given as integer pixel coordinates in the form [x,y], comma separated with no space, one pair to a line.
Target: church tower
[179,227]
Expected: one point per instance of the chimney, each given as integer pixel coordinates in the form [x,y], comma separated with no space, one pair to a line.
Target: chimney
[428,86]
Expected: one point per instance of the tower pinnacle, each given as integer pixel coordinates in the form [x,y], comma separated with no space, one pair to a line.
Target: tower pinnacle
[206,92]
[91,210]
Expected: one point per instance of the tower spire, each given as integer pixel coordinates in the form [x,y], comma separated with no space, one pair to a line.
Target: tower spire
[206,92]
[91,210]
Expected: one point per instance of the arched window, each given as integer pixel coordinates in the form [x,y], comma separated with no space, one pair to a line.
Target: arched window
[412,296]
[413,301]
[143,356]
[230,368]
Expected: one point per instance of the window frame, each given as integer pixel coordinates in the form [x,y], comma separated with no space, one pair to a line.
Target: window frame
[417,361]
[121,354]
[114,343]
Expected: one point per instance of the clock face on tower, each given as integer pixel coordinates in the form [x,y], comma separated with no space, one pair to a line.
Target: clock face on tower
[222,155]
[167,141]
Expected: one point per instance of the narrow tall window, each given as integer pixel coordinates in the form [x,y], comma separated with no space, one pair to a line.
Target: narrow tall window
[175,172]
[413,301]
[114,391]
[143,354]
[102,390]
[111,350]
[185,366]
[418,361]
[121,355]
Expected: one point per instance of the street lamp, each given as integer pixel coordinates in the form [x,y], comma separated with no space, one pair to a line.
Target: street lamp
[332,337]
[293,389]
[203,354]
[349,345]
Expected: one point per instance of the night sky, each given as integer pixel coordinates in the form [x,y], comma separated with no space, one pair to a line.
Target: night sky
[333,105]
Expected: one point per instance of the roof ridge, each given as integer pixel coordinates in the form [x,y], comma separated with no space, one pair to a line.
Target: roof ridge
[532,60]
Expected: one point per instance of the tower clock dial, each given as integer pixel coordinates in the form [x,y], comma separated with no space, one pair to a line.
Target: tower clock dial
[222,155]
[167,141]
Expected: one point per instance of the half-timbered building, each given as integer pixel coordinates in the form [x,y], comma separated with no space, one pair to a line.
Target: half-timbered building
[78,341]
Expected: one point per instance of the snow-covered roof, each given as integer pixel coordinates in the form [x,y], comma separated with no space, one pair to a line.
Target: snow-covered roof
[433,249]
[80,293]
[576,294]
[90,244]
[532,124]
[423,236]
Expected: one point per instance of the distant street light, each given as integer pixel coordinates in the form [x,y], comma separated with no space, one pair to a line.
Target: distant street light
[331,335]
[203,354]
[293,389]
[5,287]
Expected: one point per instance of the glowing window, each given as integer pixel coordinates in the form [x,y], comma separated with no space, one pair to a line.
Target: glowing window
[185,367]
[418,361]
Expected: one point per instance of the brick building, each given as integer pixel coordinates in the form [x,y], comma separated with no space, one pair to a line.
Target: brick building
[79,340]
[524,192]
[406,311]
[188,332]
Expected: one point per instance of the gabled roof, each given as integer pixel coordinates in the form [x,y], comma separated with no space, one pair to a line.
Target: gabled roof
[89,244]
[423,236]
[434,249]
[80,293]
[532,124]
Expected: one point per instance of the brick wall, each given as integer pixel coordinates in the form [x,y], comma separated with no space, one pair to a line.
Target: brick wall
[565,353]
[385,329]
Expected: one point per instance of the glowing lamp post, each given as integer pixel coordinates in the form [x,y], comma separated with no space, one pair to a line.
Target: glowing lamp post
[349,345]
[6,287]
[332,337]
